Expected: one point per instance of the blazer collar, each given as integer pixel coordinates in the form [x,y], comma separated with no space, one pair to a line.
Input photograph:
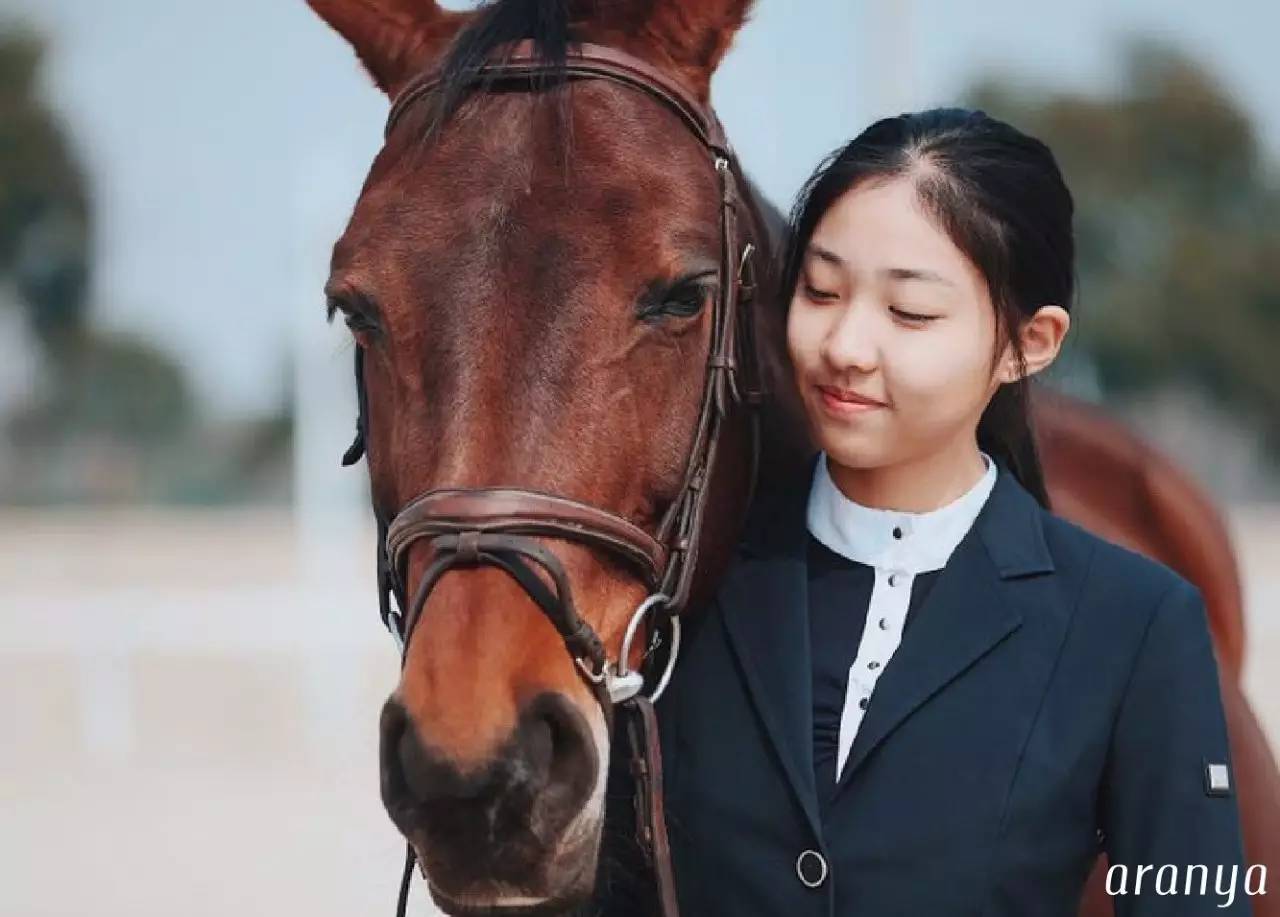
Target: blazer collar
[764,600]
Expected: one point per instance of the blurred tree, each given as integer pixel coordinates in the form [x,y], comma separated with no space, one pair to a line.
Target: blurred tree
[109,384]
[44,200]
[100,395]
[1178,228]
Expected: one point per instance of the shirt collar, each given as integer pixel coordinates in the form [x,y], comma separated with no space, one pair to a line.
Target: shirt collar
[866,534]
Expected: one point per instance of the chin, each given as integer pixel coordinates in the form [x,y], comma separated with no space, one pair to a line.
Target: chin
[851,450]
[506,905]
[565,880]
[496,900]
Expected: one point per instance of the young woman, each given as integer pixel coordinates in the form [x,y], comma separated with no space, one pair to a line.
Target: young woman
[918,691]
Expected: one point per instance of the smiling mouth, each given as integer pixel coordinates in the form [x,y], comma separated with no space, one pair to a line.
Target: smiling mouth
[841,402]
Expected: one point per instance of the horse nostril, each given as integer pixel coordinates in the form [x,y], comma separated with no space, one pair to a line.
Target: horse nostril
[539,750]
[556,745]
[413,764]
[412,773]
[393,729]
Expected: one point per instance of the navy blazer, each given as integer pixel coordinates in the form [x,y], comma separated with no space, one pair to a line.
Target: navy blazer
[1058,696]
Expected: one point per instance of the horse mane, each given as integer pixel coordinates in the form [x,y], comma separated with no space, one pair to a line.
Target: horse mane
[496,23]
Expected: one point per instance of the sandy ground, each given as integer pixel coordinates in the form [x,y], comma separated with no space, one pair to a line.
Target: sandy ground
[188,706]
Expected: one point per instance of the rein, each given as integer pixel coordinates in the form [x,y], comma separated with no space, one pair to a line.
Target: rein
[499,526]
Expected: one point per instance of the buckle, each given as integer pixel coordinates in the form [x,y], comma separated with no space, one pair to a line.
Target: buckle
[620,681]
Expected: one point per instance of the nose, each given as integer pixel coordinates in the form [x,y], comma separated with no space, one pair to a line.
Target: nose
[850,342]
[501,819]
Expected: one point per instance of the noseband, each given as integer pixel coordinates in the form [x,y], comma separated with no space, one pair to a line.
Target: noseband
[500,526]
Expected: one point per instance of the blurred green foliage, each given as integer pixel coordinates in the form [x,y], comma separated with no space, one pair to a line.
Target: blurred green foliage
[110,417]
[44,199]
[1178,230]
[109,385]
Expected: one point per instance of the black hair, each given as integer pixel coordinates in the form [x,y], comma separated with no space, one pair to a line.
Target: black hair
[1000,197]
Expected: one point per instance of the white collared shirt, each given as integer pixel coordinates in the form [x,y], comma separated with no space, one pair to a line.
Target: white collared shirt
[899,545]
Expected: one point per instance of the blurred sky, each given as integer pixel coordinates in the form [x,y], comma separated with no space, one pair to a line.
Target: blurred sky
[226,141]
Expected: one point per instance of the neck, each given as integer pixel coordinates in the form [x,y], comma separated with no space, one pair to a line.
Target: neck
[916,485]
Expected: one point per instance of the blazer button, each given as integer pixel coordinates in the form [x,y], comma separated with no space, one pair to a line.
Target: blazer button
[811,868]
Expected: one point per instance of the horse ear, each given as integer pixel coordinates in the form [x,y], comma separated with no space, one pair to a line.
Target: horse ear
[693,35]
[394,39]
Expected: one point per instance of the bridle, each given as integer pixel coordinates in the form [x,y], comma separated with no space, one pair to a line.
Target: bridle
[499,526]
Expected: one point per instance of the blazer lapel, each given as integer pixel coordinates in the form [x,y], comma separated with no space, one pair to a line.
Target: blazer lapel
[764,602]
[966,614]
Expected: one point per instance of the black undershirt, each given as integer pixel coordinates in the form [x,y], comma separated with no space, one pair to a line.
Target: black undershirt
[839,595]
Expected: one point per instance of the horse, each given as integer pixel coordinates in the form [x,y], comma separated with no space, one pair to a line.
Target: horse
[541,280]
[536,274]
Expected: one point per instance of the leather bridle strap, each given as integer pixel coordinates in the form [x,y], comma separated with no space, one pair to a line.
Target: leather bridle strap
[525,512]
[512,553]
[522,61]
[493,526]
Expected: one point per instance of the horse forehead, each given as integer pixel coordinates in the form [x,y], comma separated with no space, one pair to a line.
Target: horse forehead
[510,146]
[497,203]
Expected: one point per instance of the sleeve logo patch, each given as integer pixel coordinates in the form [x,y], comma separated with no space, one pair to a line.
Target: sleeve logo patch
[1217,780]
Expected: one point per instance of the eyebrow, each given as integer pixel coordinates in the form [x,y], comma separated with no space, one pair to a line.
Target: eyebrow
[893,273]
[910,273]
[824,254]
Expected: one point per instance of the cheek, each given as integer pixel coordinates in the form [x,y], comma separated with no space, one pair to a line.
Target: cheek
[942,372]
[804,334]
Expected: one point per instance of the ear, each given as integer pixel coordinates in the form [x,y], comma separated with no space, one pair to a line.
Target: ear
[1041,337]
[689,37]
[394,39]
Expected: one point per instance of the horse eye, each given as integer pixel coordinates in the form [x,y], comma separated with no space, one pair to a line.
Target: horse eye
[680,298]
[686,299]
[357,322]
[354,315]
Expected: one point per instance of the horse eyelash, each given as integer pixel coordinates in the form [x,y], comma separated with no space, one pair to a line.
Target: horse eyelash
[691,291]
[356,319]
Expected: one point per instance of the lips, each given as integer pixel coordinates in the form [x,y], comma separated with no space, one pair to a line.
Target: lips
[843,397]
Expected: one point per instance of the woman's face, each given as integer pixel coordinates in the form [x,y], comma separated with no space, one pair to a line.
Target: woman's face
[887,309]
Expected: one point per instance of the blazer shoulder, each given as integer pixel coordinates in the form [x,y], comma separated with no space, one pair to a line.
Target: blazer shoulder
[1125,580]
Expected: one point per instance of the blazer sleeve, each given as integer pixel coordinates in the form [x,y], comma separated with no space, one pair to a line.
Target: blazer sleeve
[1161,803]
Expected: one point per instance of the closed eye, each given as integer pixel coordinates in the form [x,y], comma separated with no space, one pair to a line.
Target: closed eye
[817,295]
[912,316]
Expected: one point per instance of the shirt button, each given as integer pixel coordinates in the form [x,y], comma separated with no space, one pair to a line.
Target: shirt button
[893,579]
[897,531]
[884,623]
[873,665]
[862,702]
[811,868]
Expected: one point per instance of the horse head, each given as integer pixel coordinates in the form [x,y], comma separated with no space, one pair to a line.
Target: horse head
[535,275]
